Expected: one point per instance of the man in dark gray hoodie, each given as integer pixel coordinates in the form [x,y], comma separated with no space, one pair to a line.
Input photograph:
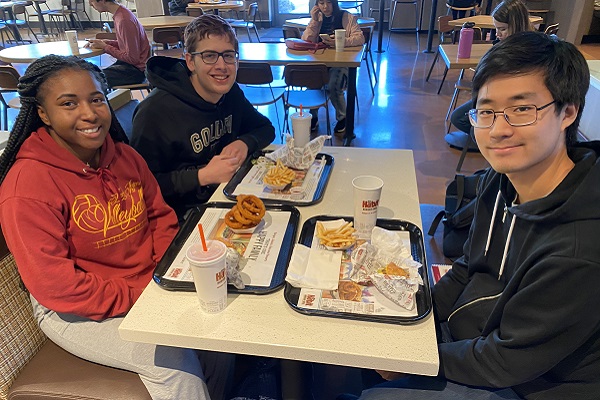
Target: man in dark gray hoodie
[519,311]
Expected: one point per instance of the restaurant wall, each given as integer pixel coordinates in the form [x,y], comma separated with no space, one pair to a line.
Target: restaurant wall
[574,17]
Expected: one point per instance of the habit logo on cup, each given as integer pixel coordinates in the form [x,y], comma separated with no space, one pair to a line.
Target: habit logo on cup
[370,205]
[221,277]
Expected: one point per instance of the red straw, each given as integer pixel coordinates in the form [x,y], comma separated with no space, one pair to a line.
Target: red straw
[300,109]
[202,237]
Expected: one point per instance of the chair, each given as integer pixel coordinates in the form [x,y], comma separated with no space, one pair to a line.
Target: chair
[194,12]
[374,8]
[368,34]
[248,22]
[9,79]
[35,368]
[123,105]
[62,16]
[396,4]
[19,9]
[461,84]
[465,10]
[258,79]
[551,29]
[443,30]
[306,88]
[291,32]
[143,87]
[76,9]
[535,8]
[168,37]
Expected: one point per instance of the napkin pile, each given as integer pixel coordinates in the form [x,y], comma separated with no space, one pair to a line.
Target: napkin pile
[298,157]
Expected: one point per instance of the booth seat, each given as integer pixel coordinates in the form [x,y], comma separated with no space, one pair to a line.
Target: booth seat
[32,367]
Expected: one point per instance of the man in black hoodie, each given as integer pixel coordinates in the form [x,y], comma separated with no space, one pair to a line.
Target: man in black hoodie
[196,127]
[519,310]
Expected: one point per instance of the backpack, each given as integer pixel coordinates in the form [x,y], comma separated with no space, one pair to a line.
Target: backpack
[459,210]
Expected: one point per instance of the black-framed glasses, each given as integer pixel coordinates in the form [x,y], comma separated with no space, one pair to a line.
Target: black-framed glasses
[515,116]
[211,57]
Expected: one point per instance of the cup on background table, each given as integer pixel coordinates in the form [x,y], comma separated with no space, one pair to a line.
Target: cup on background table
[210,274]
[301,128]
[367,192]
[72,39]
[340,39]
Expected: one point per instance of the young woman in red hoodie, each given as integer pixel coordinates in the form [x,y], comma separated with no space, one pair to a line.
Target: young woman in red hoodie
[86,222]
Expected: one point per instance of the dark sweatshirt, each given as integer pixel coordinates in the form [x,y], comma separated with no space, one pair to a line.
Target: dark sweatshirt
[177,132]
[532,321]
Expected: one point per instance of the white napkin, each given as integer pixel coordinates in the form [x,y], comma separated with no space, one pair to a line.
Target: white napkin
[314,268]
[298,157]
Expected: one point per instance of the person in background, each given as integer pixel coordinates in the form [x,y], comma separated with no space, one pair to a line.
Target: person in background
[509,17]
[463,4]
[518,311]
[178,7]
[196,128]
[131,49]
[326,17]
[86,223]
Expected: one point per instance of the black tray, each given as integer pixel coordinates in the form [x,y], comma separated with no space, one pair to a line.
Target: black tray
[247,166]
[422,298]
[191,224]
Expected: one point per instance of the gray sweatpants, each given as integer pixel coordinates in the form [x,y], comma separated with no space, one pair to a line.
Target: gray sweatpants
[167,372]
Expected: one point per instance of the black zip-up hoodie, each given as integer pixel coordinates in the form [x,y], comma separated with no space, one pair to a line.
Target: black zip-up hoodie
[177,132]
[522,303]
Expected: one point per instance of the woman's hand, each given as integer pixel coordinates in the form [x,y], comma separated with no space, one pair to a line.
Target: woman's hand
[315,13]
[329,41]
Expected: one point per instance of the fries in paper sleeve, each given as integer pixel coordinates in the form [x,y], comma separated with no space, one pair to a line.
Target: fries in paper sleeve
[339,238]
[279,175]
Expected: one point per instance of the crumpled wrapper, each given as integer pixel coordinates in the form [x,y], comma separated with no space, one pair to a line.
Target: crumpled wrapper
[298,157]
[232,263]
[369,259]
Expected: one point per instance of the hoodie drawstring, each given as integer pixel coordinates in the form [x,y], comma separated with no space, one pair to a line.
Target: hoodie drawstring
[489,238]
[505,253]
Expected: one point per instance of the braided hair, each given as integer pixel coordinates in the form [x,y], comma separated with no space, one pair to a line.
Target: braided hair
[28,119]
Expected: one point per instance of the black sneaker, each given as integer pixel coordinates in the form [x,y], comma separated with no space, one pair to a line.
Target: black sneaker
[314,124]
[340,127]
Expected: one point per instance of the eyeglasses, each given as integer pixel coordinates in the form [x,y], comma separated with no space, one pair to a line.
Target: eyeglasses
[211,57]
[515,116]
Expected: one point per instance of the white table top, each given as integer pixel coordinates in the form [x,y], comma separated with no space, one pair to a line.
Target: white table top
[28,53]
[265,325]
[302,23]
[279,54]
[165,20]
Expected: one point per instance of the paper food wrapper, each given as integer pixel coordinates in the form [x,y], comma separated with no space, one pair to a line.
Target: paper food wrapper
[233,263]
[369,262]
[298,157]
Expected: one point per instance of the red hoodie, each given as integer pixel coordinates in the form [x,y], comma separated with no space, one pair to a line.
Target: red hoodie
[85,240]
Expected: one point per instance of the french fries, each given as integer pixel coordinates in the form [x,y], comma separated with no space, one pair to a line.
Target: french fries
[279,175]
[341,237]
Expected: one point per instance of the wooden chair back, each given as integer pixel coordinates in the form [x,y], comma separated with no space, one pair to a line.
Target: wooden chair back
[310,76]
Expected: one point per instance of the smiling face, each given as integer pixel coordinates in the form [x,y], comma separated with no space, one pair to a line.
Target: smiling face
[75,111]
[211,81]
[502,31]
[526,152]
[326,7]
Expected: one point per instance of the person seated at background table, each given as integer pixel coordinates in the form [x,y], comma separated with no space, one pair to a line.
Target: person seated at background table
[178,7]
[86,223]
[326,17]
[196,127]
[519,311]
[509,17]
[131,49]
[463,4]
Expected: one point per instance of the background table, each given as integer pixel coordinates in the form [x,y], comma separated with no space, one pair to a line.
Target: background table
[28,53]
[279,54]
[486,21]
[165,20]
[302,23]
[228,5]
[266,325]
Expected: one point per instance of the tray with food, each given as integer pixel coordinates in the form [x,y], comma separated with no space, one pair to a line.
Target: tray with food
[275,182]
[259,238]
[332,273]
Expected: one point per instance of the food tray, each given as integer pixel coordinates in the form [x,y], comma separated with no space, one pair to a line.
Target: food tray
[422,298]
[210,2]
[191,224]
[229,189]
